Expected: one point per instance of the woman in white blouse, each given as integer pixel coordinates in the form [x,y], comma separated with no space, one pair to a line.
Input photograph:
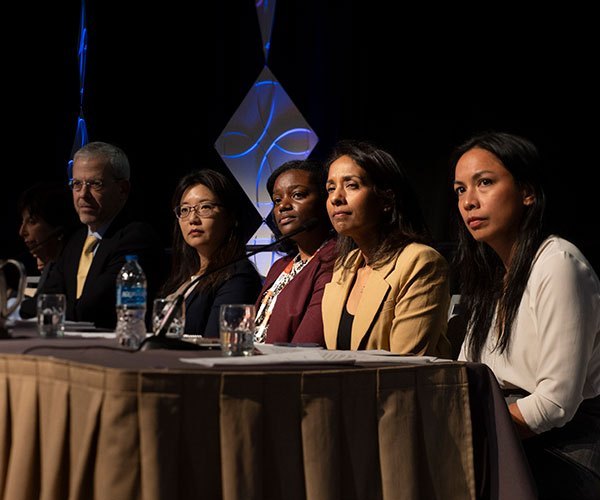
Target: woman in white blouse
[532,301]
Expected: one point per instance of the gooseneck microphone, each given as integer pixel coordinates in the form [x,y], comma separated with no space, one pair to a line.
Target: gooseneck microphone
[160,341]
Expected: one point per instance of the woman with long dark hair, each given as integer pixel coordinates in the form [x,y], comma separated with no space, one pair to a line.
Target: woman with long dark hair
[207,237]
[532,305]
[390,287]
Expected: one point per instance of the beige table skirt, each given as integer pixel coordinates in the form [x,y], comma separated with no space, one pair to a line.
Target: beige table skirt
[76,431]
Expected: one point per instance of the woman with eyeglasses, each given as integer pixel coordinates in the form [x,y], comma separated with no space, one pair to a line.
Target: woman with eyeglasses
[208,236]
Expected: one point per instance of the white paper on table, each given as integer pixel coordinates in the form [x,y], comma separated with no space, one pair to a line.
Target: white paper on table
[80,326]
[86,329]
[69,325]
[272,354]
[94,333]
[90,334]
[295,355]
[278,349]
[381,356]
[72,328]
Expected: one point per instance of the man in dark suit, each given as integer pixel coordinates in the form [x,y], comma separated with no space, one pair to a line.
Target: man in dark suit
[100,185]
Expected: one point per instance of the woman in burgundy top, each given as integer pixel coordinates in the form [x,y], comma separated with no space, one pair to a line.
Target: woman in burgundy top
[289,305]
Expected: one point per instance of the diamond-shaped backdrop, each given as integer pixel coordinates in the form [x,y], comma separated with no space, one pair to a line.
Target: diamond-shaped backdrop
[265,131]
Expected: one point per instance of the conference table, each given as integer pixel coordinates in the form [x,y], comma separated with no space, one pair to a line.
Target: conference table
[83,418]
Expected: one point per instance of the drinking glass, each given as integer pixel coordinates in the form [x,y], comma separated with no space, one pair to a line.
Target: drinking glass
[51,308]
[236,327]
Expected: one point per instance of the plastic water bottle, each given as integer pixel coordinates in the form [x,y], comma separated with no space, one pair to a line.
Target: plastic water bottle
[131,303]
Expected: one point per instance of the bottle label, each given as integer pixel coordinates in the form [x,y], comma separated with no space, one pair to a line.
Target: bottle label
[131,296]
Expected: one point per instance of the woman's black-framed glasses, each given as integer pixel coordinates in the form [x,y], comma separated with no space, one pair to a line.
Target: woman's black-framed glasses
[203,209]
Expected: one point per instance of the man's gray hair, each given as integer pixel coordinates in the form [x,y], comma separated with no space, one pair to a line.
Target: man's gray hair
[114,155]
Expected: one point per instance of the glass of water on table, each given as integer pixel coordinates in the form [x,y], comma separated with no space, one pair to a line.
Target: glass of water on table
[51,309]
[236,328]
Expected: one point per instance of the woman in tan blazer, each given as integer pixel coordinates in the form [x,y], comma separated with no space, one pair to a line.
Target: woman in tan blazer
[390,288]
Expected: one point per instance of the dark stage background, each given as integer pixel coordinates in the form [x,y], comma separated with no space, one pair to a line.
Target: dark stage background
[163,80]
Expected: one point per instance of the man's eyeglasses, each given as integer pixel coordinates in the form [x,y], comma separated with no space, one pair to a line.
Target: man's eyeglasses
[202,209]
[94,185]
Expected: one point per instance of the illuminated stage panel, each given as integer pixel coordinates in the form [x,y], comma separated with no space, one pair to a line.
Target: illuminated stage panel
[265,131]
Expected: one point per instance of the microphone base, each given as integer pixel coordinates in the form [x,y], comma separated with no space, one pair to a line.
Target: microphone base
[156,342]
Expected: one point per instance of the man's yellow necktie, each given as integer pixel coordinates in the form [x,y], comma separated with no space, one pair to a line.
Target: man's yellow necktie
[85,261]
